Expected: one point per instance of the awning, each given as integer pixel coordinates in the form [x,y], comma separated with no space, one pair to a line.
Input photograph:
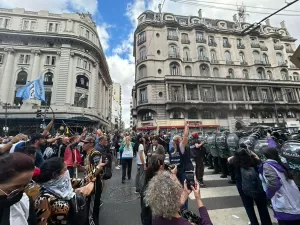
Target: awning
[146,128]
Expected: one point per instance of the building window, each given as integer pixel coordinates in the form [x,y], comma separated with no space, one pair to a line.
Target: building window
[147,116]
[216,72]
[227,57]
[176,115]
[174,69]
[296,76]
[213,56]
[172,34]
[199,36]
[4,23]
[184,38]
[204,70]
[48,78]
[53,27]
[242,57]
[239,42]
[290,114]
[173,51]
[21,78]
[266,115]
[1,58]
[261,73]
[266,59]
[80,100]
[29,24]
[48,95]
[207,115]
[284,75]
[256,56]
[192,92]
[279,58]
[230,73]
[51,60]
[24,59]
[192,115]
[269,75]
[85,63]
[201,52]
[142,37]
[188,71]
[142,54]
[79,62]
[82,82]
[186,55]
[225,42]
[246,74]
[143,95]
[142,71]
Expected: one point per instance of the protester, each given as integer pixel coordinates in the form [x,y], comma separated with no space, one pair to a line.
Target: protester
[165,196]
[127,155]
[65,141]
[280,188]
[72,156]
[16,170]
[141,164]
[155,148]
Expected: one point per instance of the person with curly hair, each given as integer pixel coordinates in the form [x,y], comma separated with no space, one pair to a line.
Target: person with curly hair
[165,196]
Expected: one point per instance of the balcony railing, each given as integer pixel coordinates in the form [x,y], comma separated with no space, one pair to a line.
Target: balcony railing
[263,48]
[208,99]
[185,41]
[143,58]
[192,98]
[226,45]
[259,62]
[172,37]
[48,83]
[241,46]
[143,101]
[255,45]
[229,62]
[289,50]
[203,58]
[238,98]
[212,43]
[20,82]
[244,63]
[253,99]
[292,100]
[187,59]
[278,47]
[201,40]
[82,86]
[174,55]
[222,98]
[141,41]
[177,100]
[282,64]
[267,100]
[214,61]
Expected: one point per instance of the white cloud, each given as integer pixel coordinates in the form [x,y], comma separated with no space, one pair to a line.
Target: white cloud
[103,35]
[56,6]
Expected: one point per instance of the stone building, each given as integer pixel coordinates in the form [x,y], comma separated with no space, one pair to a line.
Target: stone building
[212,74]
[66,50]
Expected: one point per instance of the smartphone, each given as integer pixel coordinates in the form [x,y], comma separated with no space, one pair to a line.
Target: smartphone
[190,179]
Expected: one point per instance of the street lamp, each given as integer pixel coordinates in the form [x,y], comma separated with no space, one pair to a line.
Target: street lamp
[5,130]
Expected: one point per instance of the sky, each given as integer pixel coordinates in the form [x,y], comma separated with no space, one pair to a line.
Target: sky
[117,19]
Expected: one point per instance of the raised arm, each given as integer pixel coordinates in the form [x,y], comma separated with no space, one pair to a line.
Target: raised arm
[185,139]
[48,127]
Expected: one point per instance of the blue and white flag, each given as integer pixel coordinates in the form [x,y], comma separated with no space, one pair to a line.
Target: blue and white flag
[33,90]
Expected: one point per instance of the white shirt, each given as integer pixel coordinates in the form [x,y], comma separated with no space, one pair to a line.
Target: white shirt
[138,159]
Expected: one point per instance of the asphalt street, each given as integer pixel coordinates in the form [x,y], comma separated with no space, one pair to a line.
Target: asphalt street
[122,206]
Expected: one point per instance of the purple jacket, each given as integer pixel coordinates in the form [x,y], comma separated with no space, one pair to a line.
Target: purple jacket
[205,220]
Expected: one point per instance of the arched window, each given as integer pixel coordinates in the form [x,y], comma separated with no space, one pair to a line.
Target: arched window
[176,115]
[147,116]
[256,56]
[279,58]
[188,71]
[82,82]
[186,54]
[207,115]
[216,72]
[201,52]
[192,115]
[290,114]
[230,73]
[296,76]
[173,51]
[174,68]
[204,70]
[242,57]
[48,78]
[142,71]
[228,56]
[213,56]
[246,74]
[266,115]
[284,75]
[269,75]
[21,78]
[261,73]
[142,54]
[266,59]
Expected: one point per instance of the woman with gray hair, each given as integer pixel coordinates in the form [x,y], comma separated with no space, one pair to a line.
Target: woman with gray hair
[165,196]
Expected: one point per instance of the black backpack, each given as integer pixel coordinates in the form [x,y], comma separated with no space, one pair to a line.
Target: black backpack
[251,183]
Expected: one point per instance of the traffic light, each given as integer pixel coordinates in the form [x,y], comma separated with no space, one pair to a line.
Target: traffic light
[38,113]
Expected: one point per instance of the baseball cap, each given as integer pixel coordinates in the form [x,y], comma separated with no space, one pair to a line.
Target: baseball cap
[195,135]
[89,140]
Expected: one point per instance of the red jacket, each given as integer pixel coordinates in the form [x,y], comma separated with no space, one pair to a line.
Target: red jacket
[72,155]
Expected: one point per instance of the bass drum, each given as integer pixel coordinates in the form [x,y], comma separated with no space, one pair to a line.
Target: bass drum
[211,145]
[290,150]
[232,143]
[221,143]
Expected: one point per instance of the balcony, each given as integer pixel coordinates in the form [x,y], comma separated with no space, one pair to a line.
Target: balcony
[50,83]
[185,41]
[143,101]
[244,64]
[143,58]
[226,45]
[177,99]
[278,47]
[203,58]
[187,59]
[259,62]
[253,99]
[214,61]
[255,45]
[264,48]
[208,99]
[20,82]
[212,43]
[284,64]
[289,50]
[229,62]
[201,40]
[172,37]
[241,46]
[141,41]
[82,86]
[174,55]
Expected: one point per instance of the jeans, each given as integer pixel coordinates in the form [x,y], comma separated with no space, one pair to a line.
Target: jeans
[199,168]
[182,177]
[140,178]
[71,171]
[126,166]
[294,222]
[261,203]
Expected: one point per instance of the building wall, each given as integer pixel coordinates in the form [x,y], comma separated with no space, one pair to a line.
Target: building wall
[30,40]
[155,80]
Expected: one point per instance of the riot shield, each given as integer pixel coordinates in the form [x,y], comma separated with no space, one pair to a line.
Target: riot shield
[232,143]
[221,143]
[211,145]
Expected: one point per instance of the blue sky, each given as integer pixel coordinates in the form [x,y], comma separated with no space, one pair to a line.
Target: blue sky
[117,19]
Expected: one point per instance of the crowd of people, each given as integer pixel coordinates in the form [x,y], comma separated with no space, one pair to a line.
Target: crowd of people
[47,180]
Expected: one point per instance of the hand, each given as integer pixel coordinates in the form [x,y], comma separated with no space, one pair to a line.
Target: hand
[196,190]
[174,171]
[53,119]
[229,159]
[145,167]
[86,190]
[185,194]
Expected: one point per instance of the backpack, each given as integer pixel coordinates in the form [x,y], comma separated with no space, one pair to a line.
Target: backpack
[251,183]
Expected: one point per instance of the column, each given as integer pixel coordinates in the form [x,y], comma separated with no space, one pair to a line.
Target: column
[216,95]
[185,92]
[258,93]
[36,64]
[272,93]
[228,93]
[100,96]
[246,92]
[8,71]
[167,92]
[283,95]
[199,93]
[92,88]
[296,94]
[71,82]
[231,93]
[243,92]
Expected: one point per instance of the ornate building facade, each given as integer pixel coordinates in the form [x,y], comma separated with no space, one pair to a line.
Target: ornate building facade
[66,50]
[212,74]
